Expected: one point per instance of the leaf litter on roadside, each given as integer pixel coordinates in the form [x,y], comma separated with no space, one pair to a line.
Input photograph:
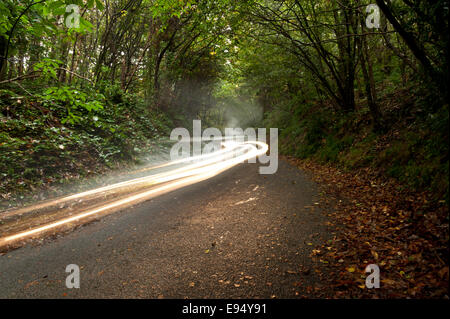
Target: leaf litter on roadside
[375,221]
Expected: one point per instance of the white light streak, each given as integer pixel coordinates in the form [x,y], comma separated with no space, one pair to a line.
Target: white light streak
[204,167]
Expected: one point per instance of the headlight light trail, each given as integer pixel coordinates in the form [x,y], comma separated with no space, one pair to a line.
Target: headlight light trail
[205,166]
[230,150]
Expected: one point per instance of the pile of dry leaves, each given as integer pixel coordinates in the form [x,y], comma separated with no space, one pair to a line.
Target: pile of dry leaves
[375,221]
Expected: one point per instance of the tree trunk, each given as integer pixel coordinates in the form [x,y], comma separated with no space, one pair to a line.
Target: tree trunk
[371,101]
[410,41]
[3,60]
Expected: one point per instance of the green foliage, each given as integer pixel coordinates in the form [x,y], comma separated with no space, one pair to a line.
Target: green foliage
[64,133]
[5,12]
[48,67]
[76,102]
[108,87]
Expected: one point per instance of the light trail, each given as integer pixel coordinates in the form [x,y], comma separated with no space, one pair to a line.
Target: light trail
[208,165]
[229,150]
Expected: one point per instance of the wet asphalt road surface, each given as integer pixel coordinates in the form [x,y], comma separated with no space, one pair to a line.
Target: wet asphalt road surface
[237,235]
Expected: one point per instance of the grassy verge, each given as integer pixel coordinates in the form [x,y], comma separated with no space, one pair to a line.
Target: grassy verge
[412,149]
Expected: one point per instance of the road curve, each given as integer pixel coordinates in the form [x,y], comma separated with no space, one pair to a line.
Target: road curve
[236,235]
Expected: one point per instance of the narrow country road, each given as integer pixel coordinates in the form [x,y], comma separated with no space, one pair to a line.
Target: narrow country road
[237,235]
